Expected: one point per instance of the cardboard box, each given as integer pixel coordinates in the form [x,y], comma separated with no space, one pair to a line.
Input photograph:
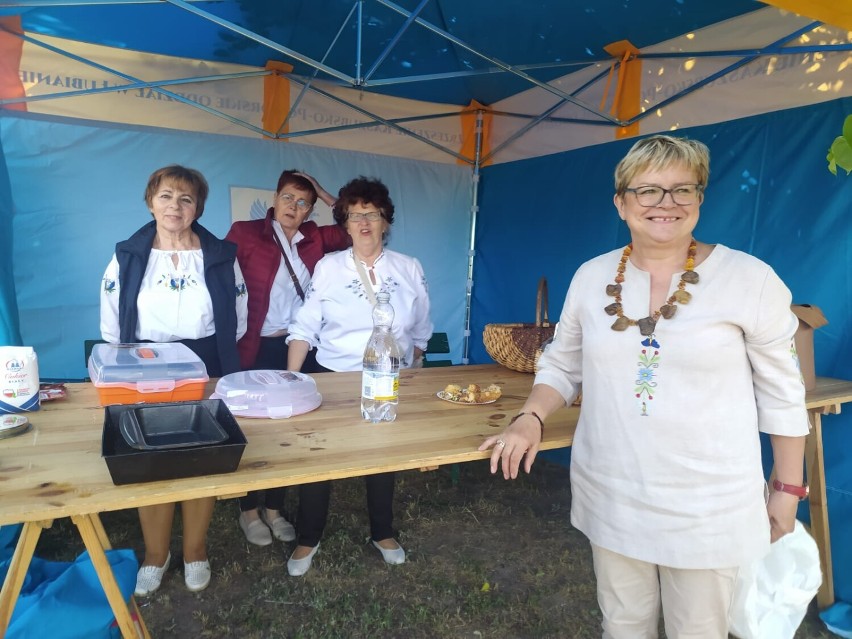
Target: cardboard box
[810,318]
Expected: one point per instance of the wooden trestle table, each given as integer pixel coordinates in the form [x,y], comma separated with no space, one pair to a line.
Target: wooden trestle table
[56,469]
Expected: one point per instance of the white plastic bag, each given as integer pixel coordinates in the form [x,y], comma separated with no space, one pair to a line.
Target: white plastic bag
[771,596]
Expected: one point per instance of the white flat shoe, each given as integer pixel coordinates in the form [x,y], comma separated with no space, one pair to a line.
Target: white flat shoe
[149,578]
[196,575]
[393,557]
[256,531]
[298,567]
[281,528]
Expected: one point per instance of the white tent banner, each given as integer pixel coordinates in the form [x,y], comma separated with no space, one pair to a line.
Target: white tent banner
[222,106]
[768,83]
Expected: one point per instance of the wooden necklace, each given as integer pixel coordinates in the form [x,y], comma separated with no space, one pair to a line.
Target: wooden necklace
[667,311]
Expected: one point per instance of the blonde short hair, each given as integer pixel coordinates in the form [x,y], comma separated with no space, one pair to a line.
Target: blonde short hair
[659,152]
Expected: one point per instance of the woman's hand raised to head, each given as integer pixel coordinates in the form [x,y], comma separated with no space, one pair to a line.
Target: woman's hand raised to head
[521,438]
[324,195]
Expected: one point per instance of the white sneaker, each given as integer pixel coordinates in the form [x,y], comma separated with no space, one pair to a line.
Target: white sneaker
[255,531]
[196,575]
[281,528]
[298,567]
[394,556]
[148,578]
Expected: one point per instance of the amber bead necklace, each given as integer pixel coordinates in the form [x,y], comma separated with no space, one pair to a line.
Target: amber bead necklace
[680,296]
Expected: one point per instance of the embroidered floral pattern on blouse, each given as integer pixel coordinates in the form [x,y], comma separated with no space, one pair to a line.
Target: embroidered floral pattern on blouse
[177,283]
[795,355]
[390,285]
[357,288]
[109,285]
[646,384]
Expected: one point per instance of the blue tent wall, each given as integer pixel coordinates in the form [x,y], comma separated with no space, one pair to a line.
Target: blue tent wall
[770,194]
[78,189]
[9,332]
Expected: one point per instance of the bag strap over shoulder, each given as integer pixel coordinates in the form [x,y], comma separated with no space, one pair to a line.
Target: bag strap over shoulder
[541,304]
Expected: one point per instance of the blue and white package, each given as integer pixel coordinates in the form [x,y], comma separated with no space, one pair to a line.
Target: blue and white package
[18,379]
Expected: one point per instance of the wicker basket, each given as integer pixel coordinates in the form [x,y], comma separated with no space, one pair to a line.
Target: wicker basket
[518,346]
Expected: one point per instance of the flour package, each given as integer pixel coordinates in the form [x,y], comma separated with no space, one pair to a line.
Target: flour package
[19,381]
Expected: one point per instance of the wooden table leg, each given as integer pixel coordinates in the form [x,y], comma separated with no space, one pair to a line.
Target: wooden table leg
[141,628]
[94,536]
[18,569]
[819,507]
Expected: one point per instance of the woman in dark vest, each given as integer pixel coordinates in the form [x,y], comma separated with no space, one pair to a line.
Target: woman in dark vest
[173,281]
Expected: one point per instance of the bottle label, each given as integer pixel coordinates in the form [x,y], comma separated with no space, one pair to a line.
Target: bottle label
[380,386]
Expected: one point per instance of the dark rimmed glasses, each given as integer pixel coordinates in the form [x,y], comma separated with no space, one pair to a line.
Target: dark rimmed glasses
[682,194]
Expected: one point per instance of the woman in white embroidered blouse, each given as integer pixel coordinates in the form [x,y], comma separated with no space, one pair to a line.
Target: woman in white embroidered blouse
[337,319]
[684,352]
[174,281]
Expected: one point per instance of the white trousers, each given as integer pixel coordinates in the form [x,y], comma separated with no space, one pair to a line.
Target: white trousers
[695,603]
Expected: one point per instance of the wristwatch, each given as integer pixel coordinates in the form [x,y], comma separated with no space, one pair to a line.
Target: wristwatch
[799,491]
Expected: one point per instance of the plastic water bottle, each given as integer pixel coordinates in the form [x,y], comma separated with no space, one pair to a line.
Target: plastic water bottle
[380,380]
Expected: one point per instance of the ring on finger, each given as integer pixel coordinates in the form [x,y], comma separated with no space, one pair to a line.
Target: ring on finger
[501,443]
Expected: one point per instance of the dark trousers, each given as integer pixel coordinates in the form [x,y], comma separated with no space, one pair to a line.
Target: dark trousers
[313,508]
[272,355]
[314,499]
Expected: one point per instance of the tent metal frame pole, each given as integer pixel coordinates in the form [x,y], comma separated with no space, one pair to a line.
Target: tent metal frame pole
[506,67]
[294,107]
[718,74]
[133,86]
[390,123]
[175,96]
[474,213]
[384,54]
[366,125]
[359,29]
[251,35]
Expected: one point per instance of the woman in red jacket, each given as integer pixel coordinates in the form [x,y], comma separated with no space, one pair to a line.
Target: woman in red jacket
[277,256]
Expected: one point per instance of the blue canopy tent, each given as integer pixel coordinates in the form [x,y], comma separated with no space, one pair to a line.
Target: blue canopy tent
[377,87]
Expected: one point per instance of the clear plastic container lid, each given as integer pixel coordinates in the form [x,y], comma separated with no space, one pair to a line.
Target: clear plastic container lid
[268,393]
[134,363]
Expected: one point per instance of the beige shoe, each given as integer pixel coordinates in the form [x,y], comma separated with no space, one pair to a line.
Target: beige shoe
[281,528]
[255,531]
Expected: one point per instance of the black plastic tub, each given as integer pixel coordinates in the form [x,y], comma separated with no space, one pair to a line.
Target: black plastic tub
[173,440]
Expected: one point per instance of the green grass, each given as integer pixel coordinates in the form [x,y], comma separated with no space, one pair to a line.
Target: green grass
[487,559]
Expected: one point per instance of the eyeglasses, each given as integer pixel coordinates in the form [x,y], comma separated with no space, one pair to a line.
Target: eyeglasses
[682,194]
[372,216]
[288,199]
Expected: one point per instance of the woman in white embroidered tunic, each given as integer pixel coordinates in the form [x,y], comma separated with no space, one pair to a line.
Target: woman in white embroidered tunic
[684,352]
[337,319]
[174,281]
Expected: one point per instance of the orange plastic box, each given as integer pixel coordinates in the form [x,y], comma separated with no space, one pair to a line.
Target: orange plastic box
[146,373]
